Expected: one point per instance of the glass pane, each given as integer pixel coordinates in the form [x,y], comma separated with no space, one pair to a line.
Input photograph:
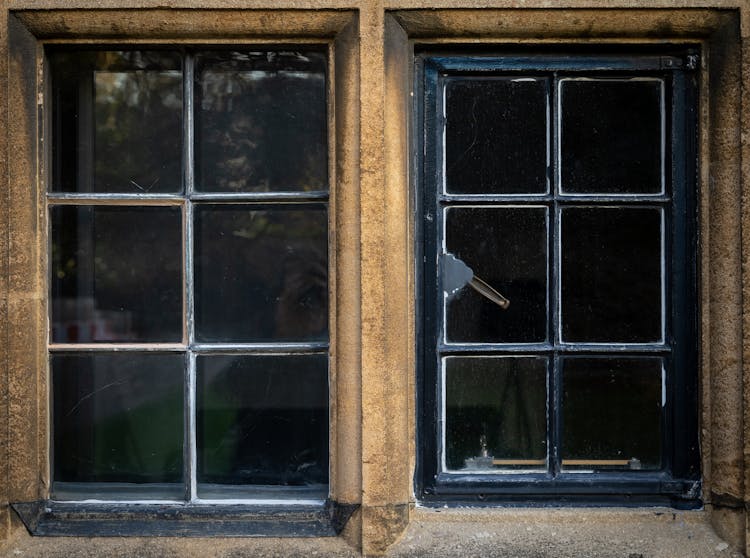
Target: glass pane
[118,121]
[612,413]
[262,419]
[507,248]
[261,273]
[118,418]
[611,137]
[496,136]
[261,123]
[495,413]
[116,274]
[611,274]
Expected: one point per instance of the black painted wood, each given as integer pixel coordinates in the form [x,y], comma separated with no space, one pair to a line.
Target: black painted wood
[677,483]
[53,519]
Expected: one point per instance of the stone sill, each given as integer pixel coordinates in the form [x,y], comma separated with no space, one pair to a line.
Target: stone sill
[561,533]
[459,532]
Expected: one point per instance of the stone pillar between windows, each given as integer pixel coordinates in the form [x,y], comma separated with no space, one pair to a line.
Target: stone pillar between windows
[4,255]
[346,396]
[745,155]
[387,299]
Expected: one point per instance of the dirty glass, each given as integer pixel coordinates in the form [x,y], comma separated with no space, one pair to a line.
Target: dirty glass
[261,273]
[117,125]
[261,121]
[495,413]
[496,136]
[506,247]
[154,252]
[611,274]
[611,413]
[262,419]
[116,274]
[118,418]
[611,136]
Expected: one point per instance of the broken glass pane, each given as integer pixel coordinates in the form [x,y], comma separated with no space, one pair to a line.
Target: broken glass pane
[118,121]
[506,247]
[496,136]
[495,413]
[261,121]
[261,273]
[262,419]
[611,274]
[611,136]
[118,418]
[612,413]
[116,274]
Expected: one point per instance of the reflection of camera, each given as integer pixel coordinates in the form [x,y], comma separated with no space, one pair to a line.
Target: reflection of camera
[302,307]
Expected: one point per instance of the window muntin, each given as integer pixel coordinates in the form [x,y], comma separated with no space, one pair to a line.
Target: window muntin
[181,293]
[609,247]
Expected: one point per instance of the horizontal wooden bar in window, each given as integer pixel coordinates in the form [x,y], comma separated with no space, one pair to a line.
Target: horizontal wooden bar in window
[517,462]
[596,462]
[565,462]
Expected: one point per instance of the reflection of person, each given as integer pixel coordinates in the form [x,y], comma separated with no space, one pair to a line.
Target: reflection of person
[302,308]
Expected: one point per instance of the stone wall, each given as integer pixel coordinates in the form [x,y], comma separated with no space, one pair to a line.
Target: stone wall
[373,324]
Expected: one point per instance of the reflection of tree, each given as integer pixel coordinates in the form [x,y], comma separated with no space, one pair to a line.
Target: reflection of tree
[261,122]
[138,131]
[118,121]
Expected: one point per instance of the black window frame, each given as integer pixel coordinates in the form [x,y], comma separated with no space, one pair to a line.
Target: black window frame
[677,484]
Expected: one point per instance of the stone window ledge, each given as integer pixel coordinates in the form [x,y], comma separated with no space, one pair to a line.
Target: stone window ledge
[460,532]
[561,532]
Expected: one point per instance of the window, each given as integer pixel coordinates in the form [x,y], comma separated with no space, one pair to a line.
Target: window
[559,355]
[189,274]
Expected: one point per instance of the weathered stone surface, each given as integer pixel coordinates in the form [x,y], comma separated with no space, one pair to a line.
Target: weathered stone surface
[4,254]
[382,526]
[519,533]
[561,533]
[373,440]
